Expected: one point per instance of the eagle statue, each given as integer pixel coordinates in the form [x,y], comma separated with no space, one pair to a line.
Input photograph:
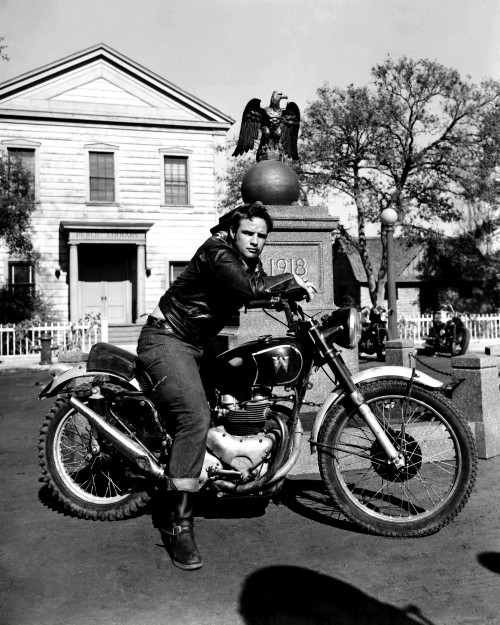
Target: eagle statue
[278,127]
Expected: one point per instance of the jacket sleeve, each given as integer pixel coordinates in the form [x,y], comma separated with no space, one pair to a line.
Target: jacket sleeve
[225,268]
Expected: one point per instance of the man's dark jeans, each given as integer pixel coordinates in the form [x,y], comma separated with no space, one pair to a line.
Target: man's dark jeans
[180,399]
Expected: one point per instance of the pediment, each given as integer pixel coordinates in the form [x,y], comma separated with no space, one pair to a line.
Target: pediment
[20,143]
[101,83]
[100,91]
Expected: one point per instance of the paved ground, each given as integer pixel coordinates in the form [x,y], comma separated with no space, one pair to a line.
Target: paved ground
[299,563]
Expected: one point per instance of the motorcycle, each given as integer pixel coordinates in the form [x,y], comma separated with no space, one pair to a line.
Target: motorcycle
[374,333]
[394,454]
[450,337]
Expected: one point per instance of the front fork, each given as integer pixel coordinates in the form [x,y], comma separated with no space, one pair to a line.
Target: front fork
[394,457]
[339,369]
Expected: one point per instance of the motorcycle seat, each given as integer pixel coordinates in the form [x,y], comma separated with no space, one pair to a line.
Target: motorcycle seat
[112,359]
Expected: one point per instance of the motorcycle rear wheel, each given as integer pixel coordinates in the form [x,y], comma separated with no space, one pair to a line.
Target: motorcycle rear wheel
[432,487]
[97,488]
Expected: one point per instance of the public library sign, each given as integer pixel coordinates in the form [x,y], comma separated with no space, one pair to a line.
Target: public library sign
[106,232]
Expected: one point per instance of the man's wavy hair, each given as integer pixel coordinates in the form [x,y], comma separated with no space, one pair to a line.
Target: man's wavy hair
[250,211]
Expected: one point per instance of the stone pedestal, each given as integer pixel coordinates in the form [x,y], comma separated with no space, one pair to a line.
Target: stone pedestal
[300,243]
[399,353]
[477,396]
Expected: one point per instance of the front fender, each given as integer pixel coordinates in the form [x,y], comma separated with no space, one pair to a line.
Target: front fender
[369,375]
[80,371]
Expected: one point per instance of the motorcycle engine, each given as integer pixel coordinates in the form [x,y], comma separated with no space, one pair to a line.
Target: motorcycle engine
[238,447]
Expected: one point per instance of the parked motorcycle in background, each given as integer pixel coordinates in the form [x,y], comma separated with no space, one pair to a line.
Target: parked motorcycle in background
[396,457]
[373,331]
[449,337]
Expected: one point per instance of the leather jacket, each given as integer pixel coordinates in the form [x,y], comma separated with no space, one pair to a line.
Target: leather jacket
[214,285]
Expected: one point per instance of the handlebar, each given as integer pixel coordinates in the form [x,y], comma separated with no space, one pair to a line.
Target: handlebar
[286,302]
[293,294]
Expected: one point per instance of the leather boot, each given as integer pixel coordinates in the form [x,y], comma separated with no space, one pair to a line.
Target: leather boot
[182,546]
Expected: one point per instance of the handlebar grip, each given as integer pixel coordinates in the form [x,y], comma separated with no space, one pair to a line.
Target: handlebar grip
[260,303]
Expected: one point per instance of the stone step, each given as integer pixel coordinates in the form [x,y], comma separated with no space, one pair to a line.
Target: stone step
[123,333]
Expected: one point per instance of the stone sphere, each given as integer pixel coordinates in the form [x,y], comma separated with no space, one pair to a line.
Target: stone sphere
[270,182]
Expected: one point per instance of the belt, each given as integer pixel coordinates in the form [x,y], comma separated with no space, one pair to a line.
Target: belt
[154,322]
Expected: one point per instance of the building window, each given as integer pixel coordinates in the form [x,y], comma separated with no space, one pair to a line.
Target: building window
[176,180]
[21,277]
[175,270]
[27,159]
[102,177]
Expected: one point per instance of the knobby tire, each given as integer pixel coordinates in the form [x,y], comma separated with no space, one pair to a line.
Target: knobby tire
[429,491]
[97,490]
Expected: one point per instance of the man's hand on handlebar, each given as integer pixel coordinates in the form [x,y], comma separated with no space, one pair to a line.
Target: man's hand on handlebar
[307,286]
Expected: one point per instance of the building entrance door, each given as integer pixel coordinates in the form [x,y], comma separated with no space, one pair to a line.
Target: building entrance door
[106,281]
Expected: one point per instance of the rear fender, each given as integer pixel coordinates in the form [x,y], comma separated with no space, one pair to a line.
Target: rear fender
[369,375]
[80,371]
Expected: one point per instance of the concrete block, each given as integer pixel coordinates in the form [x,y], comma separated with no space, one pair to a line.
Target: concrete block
[492,350]
[73,355]
[476,394]
[399,353]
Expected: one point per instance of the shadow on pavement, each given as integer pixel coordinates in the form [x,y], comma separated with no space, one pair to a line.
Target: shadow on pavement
[47,499]
[490,560]
[292,595]
[309,498]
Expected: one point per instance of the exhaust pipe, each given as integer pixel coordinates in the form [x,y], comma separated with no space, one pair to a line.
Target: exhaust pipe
[142,457]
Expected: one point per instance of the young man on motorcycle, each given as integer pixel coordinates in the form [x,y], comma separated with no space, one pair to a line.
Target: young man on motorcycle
[224,274]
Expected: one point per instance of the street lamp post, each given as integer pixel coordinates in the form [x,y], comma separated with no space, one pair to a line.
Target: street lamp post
[389,217]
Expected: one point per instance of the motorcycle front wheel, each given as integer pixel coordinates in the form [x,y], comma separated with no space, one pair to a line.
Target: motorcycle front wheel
[460,346]
[440,461]
[90,485]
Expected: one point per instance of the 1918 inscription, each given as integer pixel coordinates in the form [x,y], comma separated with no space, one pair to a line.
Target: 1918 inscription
[297,266]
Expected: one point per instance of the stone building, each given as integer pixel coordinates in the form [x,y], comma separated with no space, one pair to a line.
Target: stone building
[125,167]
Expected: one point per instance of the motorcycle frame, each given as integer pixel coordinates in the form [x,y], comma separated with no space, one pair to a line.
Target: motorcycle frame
[347,388]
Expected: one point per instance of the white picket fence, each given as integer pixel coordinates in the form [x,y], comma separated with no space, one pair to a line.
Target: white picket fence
[25,340]
[480,326]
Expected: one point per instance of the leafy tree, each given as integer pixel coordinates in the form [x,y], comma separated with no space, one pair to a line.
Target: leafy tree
[415,140]
[21,305]
[16,207]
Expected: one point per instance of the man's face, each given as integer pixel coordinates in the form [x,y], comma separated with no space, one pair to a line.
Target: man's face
[250,237]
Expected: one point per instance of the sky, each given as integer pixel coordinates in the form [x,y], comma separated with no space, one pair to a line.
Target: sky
[226,52]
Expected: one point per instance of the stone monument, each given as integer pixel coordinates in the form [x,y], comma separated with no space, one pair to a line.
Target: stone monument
[301,241]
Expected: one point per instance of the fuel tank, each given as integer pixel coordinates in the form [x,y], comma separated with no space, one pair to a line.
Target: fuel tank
[268,361]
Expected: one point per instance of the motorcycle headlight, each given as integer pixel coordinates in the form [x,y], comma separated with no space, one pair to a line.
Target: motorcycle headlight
[342,326]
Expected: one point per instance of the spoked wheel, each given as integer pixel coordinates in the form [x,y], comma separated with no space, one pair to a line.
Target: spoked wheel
[440,461]
[94,484]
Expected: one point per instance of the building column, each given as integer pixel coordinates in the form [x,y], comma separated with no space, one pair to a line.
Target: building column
[73,283]
[141,282]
